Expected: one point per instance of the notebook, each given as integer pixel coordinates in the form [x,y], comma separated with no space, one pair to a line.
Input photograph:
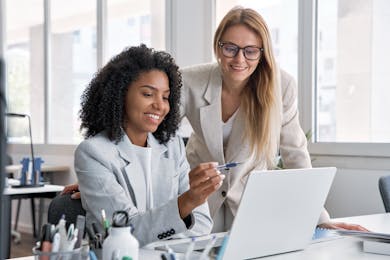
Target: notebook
[278,212]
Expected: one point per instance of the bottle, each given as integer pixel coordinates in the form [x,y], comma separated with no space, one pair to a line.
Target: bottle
[120,242]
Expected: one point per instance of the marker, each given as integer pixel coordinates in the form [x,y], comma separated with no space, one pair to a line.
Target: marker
[56,242]
[106,223]
[228,165]
[46,242]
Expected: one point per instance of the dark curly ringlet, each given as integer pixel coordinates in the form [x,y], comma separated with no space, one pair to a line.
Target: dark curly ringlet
[103,101]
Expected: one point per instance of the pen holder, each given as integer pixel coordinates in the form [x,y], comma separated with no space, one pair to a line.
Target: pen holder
[75,254]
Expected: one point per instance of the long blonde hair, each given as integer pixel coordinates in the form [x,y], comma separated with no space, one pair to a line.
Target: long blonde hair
[261,97]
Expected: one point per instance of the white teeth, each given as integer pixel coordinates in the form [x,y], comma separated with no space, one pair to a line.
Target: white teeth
[153,116]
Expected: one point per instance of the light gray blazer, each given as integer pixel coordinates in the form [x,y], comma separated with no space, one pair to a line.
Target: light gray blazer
[110,178]
[201,104]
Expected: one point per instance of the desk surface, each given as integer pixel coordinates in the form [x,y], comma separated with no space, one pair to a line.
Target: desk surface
[15,168]
[342,248]
[46,188]
[347,248]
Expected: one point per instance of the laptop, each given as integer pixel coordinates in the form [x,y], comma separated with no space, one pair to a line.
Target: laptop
[278,213]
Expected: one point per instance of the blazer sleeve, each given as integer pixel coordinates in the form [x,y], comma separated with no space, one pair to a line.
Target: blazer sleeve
[293,143]
[200,222]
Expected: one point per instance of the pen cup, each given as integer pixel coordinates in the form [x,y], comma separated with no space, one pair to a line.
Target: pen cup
[75,254]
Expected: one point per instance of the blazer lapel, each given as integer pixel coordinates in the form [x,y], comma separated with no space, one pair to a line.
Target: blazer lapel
[211,117]
[134,174]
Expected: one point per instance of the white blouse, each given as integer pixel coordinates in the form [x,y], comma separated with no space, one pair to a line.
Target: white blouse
[144,158]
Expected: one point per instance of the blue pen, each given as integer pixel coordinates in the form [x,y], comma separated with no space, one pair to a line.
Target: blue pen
[170,253]
[228,165]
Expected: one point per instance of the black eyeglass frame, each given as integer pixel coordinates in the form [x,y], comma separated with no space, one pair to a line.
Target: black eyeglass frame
[221,44]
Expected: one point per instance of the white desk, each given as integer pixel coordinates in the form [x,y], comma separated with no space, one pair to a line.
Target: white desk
[342,248]
[46,191]
[338,249]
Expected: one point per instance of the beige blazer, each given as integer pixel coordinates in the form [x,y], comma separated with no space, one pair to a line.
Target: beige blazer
[201,104]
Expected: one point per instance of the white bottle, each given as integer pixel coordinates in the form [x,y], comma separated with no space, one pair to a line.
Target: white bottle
[120,243]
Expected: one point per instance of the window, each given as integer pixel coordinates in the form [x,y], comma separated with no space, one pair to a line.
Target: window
[282,20]
[127,25]
[352,79]
[25,65]
[73,63]
[76,39]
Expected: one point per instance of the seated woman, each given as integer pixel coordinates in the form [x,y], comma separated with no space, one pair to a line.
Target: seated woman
[131,159]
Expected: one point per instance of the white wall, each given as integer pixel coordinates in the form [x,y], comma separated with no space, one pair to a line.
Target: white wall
[191,32]
[355,187]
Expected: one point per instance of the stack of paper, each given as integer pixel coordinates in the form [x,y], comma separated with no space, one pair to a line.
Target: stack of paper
[378,243]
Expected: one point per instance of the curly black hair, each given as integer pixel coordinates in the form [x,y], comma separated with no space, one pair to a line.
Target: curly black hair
[103,101]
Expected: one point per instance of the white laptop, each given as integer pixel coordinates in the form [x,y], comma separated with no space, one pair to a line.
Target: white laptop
[278,213]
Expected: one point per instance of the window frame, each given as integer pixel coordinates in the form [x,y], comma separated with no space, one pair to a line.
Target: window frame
[307,56]
[101,56]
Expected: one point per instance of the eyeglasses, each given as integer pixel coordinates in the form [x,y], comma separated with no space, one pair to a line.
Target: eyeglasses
[230,50]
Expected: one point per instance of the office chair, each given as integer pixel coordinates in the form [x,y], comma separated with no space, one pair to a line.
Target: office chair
[64,204]
[384,188]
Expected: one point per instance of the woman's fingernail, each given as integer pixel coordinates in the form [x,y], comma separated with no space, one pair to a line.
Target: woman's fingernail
[218,172]
[223,176]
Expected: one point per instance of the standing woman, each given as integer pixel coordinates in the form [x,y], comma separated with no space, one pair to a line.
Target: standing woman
[243,109]
[131,159]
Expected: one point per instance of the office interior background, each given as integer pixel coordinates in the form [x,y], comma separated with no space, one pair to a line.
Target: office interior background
[337,50]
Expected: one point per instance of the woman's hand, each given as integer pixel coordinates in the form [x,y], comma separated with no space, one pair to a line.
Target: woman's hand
[342,225]
[204,180]
[73,189]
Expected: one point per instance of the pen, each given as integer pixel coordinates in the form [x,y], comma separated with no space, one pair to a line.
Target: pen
[221,251]
[92,255]
[56,243]
[106,223]
[80,225]
[206,251]
[46,242]
[70,232]
[228,165]
[171,254]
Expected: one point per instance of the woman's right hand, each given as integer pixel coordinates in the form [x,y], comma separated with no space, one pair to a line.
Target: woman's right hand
[204,180]
[73,189]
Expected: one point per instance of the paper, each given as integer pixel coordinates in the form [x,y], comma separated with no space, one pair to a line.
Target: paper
[364,234]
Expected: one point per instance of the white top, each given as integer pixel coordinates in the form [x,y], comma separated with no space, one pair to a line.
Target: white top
[224,218]
[144,157]
[227,128]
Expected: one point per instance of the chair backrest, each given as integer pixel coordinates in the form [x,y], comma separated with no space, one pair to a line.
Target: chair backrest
[384,188]
[64,204]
